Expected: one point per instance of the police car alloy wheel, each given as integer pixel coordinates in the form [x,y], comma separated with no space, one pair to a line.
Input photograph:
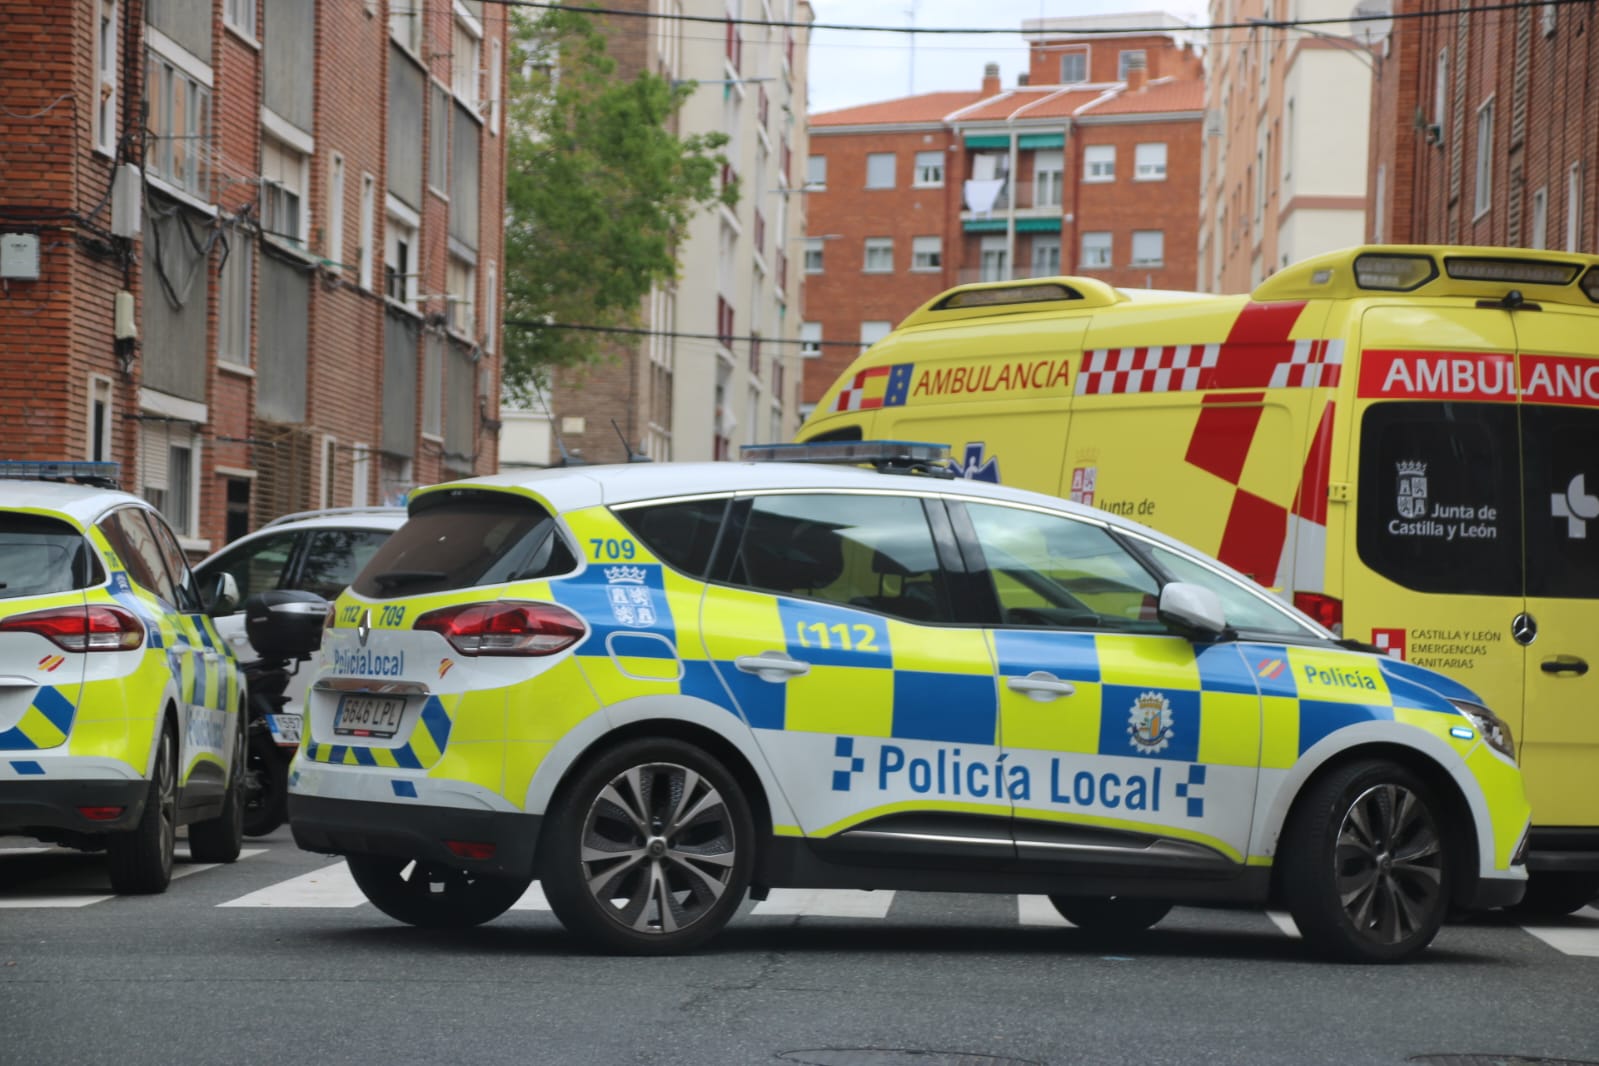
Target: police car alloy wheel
[221,838]
[1366,867]
[650,851]
[1110,915]
[431,895]
[140,860]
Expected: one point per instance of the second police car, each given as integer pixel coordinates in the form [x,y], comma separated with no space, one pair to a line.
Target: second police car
[657,689]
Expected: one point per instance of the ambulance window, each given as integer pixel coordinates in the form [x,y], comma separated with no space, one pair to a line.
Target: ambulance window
[1562,479]
[1438,504]
[40,556]
[1056,572]
[874,552]
[681,533]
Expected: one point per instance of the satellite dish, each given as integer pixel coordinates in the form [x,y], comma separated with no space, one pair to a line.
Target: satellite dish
[1376,21]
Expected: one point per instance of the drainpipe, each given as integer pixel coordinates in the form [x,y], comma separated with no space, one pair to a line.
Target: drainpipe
[1069,159]
[1015,195]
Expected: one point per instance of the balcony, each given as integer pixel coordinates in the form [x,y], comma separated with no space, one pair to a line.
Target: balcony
[1022,202]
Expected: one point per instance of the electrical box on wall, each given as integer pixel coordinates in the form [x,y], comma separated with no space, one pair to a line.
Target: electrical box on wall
[127,201]
[19,256]
[123,324]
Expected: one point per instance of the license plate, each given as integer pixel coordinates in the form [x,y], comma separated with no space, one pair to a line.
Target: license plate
[369,716]
[285,728]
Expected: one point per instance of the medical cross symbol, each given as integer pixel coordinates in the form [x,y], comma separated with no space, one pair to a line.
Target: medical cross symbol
[844,748]
[976,467]
[1577,506]
[1185,790]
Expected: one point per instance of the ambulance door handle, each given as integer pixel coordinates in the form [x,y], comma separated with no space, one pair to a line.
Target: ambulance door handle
[1040,685]
[1565,664]
[772,666]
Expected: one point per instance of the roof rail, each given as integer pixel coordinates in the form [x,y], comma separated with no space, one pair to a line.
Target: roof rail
[98,474]
[325,512]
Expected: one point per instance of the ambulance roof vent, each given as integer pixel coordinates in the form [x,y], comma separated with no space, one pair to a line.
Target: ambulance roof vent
[1009,297]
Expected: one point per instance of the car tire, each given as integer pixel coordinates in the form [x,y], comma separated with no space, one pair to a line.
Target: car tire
[221,838]
[671,827]
[1365,866]
[1110,916]
[1552,894]
[431,895]
[266,804]
[140,859]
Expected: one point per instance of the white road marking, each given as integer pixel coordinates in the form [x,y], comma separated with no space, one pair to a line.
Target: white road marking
[532,900]
[826,903]
[1577,934]
[1038,910]
[331,886]
[69,898]
[1284,921]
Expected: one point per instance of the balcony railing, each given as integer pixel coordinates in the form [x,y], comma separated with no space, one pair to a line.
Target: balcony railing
[1022,198]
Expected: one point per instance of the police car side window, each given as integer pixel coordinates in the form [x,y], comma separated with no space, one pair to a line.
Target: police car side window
[871,552]
[1252,613]
[683,533]
[1438,505]
[1050,571]
[187,596]
[130,535]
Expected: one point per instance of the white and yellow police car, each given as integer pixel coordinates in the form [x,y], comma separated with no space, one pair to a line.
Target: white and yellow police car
[121,708]
[660,688]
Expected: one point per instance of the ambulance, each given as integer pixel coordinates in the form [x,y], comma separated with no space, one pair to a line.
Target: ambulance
[1402,441]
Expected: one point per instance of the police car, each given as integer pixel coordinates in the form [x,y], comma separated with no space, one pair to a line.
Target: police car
[658,689]
[120,706]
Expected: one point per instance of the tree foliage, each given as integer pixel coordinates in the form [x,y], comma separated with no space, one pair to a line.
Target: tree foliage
[599,192]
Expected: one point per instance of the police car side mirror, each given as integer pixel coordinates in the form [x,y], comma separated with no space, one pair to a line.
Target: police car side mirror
[1193,609]
[223,595]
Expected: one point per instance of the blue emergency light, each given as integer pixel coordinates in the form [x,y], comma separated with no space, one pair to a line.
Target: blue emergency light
[909,455]
[102,474]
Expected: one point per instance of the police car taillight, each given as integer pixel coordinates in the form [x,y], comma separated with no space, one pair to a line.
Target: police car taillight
[1328,610]
[505,628]
[96,627]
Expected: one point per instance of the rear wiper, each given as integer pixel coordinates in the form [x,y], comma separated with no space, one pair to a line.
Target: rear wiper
[395,578]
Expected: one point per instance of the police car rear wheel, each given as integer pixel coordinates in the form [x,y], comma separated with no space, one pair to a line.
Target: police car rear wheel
[1110,915]
[140,860]
[220,839]
[1365,867]
[650,851]
[431,895]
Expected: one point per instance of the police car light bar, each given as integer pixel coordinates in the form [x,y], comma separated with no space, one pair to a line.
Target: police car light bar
[104,475]
[897,453]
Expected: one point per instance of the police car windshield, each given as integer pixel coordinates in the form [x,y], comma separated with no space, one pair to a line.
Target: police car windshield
[41,556]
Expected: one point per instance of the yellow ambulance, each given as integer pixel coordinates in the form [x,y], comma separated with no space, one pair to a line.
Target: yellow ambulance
[1396,439]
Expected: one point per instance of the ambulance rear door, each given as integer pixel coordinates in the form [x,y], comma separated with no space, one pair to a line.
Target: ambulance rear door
[1436,572]
[1559,736]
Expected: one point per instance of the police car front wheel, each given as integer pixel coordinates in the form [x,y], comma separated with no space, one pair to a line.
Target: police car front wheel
[431,895]
[650,850]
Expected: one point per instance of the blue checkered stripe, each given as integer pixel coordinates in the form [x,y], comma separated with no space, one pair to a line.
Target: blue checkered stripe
[48,714]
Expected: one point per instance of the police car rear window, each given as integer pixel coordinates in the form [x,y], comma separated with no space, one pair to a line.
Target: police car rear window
[464,539]
[681,533]
[40,556]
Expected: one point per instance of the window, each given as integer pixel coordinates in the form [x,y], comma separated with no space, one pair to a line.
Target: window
[993,261]
[129,535]
[1562,536]
[682,534]
[1573,206]
[1099,162]
[491,286]
[368,195]
[1547,19]
[810,340]
[106,41]
[100,421]
[335,556]
[929,169]
[1247,609]
[1539,235]
[1418,456]
[466,60]
[927,253]
[1149,162]
[405,23]
[179,122]
[1048,178]
[874,331]
[240,15]
[1046,257]
[816,172]
[433,385]
[361,476]
[1483,199]
[460,284]
[40,556]
[233,326]
[1073,67]
[1440,95]
[1131,59]
[1096,251]
[439,140]
[879,255]
[399,261]
[1149,247]
[282,192]
[236,509]
[167,458]
[177,566]
[495,64]
[335,237]
[813,255]
[1056,572]
[880,170]
[330,470]
[869,552]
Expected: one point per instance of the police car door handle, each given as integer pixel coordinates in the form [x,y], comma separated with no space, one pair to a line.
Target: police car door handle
[1564,664]
[1040,685]
[772,666]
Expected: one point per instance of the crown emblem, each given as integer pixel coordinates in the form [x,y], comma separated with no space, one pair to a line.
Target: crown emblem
[1412,469]
[624,575]
[1149,725]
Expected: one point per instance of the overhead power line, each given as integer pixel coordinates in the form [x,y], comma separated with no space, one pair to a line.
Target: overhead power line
[1118,31]
[639,331]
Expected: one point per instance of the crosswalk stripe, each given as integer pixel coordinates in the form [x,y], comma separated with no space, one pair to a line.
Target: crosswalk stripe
[1284,921]
[825,903]
[1038,910]
[532,900]
[181,868]
[1576,935]
[331,886]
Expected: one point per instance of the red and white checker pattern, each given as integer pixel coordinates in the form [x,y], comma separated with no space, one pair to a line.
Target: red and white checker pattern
[1391,642]
[1175,368]
[852,397]
[1313,365]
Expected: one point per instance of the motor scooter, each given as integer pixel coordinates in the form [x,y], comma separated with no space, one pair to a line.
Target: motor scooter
[285,628]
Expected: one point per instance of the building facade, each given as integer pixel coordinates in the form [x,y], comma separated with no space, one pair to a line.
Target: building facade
[1090,166]
[716,364]
[1287,122]
[1488,130]
[251,248]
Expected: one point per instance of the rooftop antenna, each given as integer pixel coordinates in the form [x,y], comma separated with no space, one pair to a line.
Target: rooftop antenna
[567,458]
[632,456]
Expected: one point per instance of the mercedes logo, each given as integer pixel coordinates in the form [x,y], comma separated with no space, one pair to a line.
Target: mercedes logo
[1524,628]
[363,628]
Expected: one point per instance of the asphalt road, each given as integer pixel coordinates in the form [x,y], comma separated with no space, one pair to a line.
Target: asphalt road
[275,959]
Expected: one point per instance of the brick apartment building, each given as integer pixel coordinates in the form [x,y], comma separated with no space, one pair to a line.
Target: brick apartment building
[1090,166]
[717,365]
[250,247]
[1485,127]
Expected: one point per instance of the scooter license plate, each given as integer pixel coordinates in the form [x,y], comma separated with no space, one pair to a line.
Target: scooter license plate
[285,728]
[369,716]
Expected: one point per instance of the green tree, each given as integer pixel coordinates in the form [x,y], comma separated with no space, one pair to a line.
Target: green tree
[599,192]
